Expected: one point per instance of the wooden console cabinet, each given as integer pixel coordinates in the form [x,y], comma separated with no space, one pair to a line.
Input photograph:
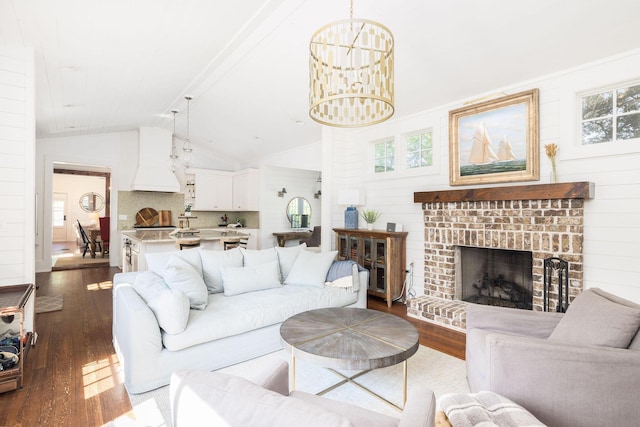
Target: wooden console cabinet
[383,253]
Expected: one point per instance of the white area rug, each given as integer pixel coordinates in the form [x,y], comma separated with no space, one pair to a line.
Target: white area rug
[45,304]
[438,371]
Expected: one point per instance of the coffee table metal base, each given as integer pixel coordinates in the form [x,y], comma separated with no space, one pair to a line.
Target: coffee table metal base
[350,380]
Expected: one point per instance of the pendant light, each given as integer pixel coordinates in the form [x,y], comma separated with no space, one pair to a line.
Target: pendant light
[187,148]
[351,73]
[174,151]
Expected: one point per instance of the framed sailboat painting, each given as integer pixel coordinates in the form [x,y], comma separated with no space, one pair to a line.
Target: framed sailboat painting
[495,141]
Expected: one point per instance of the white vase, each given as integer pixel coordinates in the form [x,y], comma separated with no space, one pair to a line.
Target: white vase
[369,226]
[187,213]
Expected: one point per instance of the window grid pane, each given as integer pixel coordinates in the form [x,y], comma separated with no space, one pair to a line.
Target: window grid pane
[384,153]
[611,116]
[419,150]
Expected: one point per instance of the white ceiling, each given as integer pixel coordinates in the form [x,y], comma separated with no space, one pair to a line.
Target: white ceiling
[105,66]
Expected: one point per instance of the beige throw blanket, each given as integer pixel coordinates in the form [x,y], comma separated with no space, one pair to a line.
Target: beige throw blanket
[485,409]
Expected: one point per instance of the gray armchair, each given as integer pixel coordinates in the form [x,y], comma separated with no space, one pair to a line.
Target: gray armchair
[211,398]
[581,368]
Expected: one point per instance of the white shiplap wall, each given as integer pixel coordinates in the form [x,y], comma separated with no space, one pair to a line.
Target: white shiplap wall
[17,148]
[612,228]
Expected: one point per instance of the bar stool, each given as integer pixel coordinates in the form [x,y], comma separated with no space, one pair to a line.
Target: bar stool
[234,242]
[187,243]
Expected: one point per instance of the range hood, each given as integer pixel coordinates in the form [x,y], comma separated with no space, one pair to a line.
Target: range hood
[154,172]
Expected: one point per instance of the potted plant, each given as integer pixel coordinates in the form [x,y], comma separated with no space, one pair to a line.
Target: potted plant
[370,216]
[187,209]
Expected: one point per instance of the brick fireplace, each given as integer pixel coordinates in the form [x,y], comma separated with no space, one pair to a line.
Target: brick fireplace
[545,219]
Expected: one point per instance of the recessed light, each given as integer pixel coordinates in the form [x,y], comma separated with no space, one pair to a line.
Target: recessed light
[299,122]
[258,139]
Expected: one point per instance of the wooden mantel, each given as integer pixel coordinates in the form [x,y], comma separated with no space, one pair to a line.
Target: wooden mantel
[564,190]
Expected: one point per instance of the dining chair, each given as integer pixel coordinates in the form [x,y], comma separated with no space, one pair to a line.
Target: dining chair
[105,229]
[85,239]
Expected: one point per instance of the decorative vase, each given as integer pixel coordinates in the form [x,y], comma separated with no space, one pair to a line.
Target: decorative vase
[188,213]
[554,172]
[369,226]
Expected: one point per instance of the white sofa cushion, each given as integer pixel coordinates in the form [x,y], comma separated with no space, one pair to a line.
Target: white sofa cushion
[258,256]
[180,275]
[310,268]
[228,316]
[156,261]
[287,257]
[238,280]
[212,264]
[171,307]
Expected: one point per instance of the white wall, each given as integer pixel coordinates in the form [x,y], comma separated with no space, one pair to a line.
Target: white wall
[298,183]
[612,229]
[17,195]
[116,151]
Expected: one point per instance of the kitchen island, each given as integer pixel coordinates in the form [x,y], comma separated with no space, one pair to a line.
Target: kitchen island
[137,243]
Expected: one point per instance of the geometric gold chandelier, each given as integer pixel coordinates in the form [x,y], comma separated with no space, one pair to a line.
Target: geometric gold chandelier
[351,73]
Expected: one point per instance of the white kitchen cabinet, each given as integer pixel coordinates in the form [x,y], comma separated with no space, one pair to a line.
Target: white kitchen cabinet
[245,190]
[213,190]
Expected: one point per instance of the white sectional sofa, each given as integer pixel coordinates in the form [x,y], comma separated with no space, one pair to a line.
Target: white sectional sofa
[203,310]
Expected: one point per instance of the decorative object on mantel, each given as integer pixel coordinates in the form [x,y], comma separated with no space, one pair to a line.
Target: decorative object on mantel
[282,192]
[512,120]
[187,148]
[351,73]
[552,151]
[370,216]
[351,198]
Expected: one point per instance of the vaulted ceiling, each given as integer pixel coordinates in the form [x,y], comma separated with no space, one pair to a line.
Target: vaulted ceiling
[106,66]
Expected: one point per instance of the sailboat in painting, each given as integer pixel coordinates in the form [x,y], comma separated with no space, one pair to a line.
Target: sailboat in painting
[481,150]
[505,151]
[484,160]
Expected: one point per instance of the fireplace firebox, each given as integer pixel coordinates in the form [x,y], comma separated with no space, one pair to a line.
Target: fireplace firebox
[496,277]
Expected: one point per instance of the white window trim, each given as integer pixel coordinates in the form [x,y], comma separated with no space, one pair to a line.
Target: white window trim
[611,148]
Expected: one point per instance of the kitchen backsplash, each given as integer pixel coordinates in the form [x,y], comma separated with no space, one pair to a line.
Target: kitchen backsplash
[130,202]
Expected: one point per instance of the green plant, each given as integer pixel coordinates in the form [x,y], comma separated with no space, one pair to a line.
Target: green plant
[370,216]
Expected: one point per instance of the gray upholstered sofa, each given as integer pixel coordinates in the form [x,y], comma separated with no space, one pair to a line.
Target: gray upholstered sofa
[212,398]
[581,368]
[202,309]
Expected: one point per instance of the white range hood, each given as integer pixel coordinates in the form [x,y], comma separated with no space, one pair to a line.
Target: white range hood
[154,172]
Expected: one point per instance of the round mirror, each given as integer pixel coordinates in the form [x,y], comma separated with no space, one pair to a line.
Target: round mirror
[299,212]
[91,202]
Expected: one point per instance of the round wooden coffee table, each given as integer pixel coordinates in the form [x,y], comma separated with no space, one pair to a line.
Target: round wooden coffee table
[350,339]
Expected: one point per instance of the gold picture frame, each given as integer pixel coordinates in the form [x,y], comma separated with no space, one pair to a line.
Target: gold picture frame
[512,120]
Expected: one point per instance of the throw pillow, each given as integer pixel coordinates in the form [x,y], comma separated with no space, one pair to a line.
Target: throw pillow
[180,275]
[287,257]
[340,269]
[149,285]
[171,308]
[258,256]
[156,261]
[212,263]
[310,268]
[592,319]
[239,280]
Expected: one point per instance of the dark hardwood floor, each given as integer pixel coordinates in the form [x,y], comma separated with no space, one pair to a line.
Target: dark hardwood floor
[70,376]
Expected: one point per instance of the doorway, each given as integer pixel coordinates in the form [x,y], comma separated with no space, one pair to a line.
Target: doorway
[71,185]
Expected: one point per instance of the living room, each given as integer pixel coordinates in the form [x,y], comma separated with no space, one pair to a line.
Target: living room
[345,157]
